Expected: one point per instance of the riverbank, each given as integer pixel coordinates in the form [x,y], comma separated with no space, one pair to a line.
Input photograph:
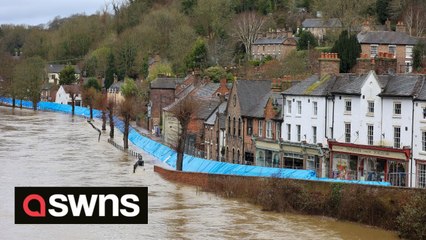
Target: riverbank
[396,209]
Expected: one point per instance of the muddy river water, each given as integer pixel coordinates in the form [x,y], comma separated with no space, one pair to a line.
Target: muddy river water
[53,149]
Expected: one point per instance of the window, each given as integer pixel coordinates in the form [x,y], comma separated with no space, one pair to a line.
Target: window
[408,67]
[315,108]
[314,134]
[409,52]
[260,128]
[288,132]
[348,105]
[424,113]
[234,127]
[397,137]
[239,127]
[289,107]
[347,132]
[268,129]
[421,175]
[278,130]
[373,50]
[371,107]
[299,107]
[298,132]
[229,125]
[249,126]
[370,134]
[424,141]
[392,49]
[396,108]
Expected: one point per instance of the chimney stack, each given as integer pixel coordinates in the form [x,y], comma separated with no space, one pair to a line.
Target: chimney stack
[388,25]
[400,27]
[329,64]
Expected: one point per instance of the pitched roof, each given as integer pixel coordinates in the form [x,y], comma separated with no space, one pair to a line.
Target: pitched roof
[57,68]
[402,85]
[386,37]
[206,107]
[312,86]
[166,83]
[421,95]
[321,23]
[259,110]
[269,41]
[68,88]
[251,93]
[219,110]
[116,86]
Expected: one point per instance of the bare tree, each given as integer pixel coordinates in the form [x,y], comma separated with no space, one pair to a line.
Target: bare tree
[110,107]
[73,91]
[248,25]
[414,18]
[89,97]
[101,104]
[183,111]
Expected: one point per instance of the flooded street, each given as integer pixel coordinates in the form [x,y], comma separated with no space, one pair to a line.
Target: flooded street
[53,149]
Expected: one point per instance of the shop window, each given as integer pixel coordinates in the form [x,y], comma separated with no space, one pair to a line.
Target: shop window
[293,160]
[276,160]
[397,137]
[370,134]
[421,175]
[260,158]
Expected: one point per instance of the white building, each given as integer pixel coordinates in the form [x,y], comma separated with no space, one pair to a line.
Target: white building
[63,96]
[366,121]
[53,71]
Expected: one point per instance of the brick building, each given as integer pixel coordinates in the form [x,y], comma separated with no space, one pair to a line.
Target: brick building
[275,43]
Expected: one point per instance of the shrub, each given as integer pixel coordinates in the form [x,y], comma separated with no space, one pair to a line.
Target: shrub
[412,220]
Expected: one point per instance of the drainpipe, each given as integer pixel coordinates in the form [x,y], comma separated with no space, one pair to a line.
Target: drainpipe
[326,113]
[332,120]
[412,142]
[381,122]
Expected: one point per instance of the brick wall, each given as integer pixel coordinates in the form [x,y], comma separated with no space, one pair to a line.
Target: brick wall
[329,64]
[160,98]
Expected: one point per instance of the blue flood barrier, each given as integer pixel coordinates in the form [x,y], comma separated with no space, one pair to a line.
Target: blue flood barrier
[191,163]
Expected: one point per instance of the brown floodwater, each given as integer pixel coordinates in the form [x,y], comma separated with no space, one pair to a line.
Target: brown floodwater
[53,149]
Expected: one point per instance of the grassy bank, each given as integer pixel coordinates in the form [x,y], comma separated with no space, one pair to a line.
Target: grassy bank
[397,209]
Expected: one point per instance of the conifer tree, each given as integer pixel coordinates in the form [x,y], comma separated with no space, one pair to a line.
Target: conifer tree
[348,48]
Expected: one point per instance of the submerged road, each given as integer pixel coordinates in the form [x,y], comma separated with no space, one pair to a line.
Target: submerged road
[53,149]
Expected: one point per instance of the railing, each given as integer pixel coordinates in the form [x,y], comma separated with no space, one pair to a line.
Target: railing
[395,179]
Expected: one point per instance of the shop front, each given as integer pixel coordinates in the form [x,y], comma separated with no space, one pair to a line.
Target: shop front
[369,163]
[268,154]
[303,156]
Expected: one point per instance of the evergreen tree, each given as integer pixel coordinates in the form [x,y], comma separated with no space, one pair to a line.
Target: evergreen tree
[418,52]
[109,74]
[306,40]
[197,58]
[348,48]
[67,75]
[382,10]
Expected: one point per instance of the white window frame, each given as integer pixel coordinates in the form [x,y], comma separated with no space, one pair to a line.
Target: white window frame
[408,66]
[315,108]
[395,109]
[424,141]
[269,129]
[374,50]
[260,128]
[299,107]
[298,132]
[370,134]
[314,134]
[348,132]
[277,130]
[421,175]
[370,107]
[394,50]
[409,51]
[289,106]
[397,137]
[288,132]
[348,104]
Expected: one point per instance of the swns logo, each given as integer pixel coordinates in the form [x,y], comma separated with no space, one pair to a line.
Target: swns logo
[81,205]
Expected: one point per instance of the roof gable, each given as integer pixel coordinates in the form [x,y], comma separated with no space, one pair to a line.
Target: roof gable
[251,93]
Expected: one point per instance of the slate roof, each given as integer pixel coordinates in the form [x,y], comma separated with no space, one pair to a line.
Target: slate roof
[421,95]
[259,110]
[74,87]
[386,37]
[402,85]
[207,106]
[251,93]
[312,86]
[166,83]
[321,23]
[57,68]
[219,110]
[116,86]
[270,41]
